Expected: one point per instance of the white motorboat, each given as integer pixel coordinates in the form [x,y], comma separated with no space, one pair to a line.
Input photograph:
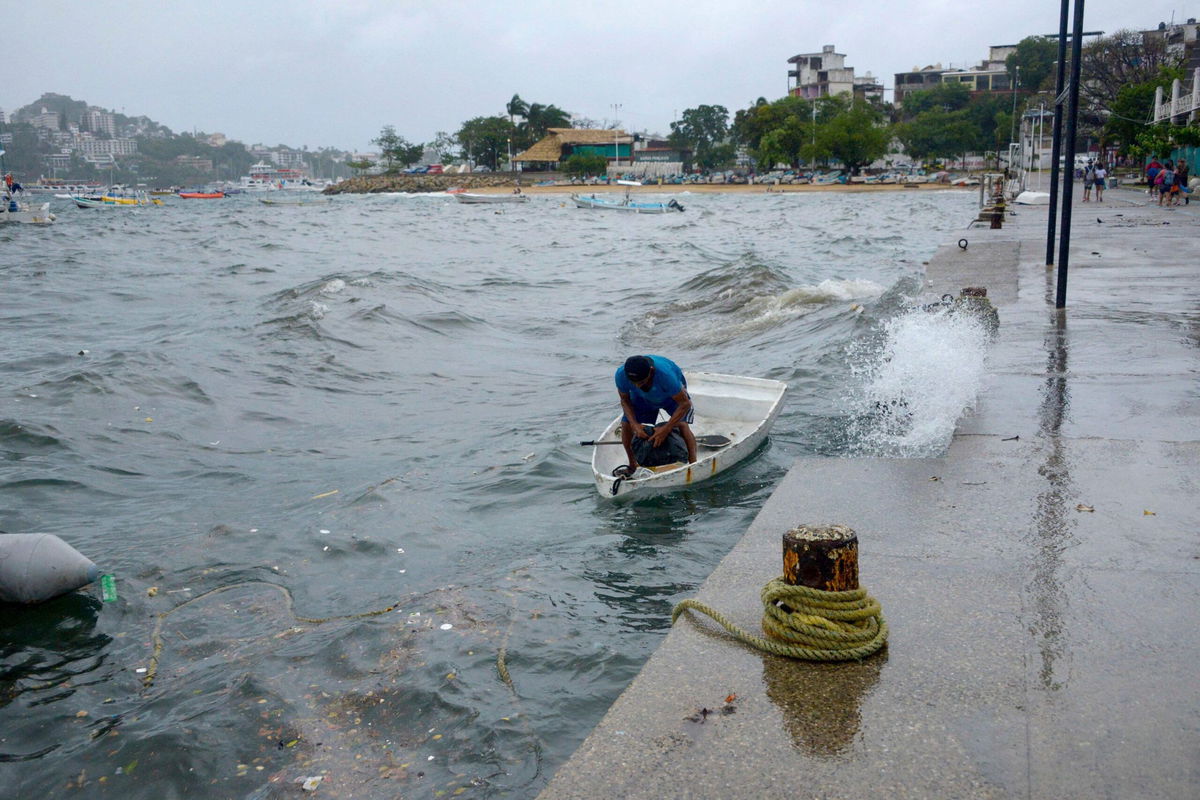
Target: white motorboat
[738,409]
[470,199]
[626,205]
[13,210]
[310,200]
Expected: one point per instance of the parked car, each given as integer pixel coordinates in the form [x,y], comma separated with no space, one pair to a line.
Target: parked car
[435,169]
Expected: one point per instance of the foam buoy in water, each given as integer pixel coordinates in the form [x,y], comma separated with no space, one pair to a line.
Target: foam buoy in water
[38,566]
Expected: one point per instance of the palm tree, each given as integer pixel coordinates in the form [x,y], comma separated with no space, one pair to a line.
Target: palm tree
[539,119]
[516,108]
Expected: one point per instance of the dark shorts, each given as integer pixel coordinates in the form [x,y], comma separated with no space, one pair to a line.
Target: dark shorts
[648,414]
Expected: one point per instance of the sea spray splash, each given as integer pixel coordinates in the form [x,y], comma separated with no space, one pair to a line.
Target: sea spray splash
[914,382]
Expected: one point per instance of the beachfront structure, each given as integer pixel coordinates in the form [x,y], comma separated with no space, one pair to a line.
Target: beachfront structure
[559,144]
[989,76]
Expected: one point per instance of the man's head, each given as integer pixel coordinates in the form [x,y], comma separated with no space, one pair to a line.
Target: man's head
[638,369]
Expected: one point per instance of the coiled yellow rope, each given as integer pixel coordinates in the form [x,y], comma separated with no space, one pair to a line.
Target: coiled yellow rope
[810,624]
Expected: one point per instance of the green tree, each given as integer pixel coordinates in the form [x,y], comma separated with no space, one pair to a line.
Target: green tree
[1121,59]
[486,139]
[938,134]
[395,149]
[516,107]
[791,115]
[1036,56]
[1131,110]
[446,146]
[701,129]
[360,165]
[580,165]
[539,119]
[941,97]
[856,135]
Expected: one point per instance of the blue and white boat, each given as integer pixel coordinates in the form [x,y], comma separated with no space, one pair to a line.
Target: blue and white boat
[625,204]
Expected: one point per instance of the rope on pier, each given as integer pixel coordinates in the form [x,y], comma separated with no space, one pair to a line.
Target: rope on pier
[809,624]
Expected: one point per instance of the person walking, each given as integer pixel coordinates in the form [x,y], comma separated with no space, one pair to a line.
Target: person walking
[1181,183]
[1099,175]
[1089,177]
[1166,182]
[1152,170]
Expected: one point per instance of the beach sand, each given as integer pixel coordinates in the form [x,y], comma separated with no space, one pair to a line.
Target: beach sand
[724,188]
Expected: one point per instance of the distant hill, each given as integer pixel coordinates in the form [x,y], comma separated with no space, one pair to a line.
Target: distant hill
[71,111]
[136,149]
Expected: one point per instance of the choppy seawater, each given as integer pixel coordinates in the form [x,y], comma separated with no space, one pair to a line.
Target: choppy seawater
[266,416]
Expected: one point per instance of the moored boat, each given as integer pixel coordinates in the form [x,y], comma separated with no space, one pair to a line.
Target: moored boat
[482,199]
[13,210]
[313,200]
[627,205]
[739,409]
[201,195]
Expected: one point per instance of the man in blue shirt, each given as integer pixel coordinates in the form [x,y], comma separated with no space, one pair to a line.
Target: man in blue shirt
[645,385]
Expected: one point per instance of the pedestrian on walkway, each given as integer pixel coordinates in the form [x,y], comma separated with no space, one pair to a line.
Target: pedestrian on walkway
[1165,182]
[1181,182]
[1100,174]
[1152,170]
[1089,177]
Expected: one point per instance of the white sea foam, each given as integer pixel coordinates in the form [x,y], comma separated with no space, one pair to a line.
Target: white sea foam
[910,393]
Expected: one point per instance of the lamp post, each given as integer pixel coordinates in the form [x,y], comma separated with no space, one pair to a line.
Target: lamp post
[616,146]
[510,164]
[1013,123]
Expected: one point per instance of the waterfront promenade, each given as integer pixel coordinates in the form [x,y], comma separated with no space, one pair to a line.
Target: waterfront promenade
[1041,579]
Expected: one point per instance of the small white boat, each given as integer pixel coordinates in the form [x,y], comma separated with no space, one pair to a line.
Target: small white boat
[13,210]
[313,200]
[1030,198]
[479,199]
[626,205]
[731,407]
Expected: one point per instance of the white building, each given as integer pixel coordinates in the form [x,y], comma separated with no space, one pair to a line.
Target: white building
[820,74]
[46,119]
[98,121]
[109,147]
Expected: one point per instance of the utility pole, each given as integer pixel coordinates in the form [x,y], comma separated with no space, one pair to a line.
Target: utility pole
[1013,122]
[616,145]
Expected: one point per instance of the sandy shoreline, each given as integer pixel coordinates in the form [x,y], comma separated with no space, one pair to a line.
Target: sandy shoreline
[724,188]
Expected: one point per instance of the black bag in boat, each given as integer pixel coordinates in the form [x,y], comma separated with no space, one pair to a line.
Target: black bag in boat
[672,450]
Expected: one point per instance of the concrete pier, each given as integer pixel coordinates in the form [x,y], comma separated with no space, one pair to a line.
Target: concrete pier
[1041,579]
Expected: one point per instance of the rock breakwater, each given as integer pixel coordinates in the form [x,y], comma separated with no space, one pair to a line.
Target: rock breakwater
[373,184]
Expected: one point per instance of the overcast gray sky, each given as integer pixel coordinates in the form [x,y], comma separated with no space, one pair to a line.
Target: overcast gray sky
[302,72]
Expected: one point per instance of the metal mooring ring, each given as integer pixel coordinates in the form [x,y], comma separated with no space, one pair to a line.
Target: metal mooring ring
[962,244]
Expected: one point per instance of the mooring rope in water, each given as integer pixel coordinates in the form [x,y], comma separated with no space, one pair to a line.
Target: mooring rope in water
[157,639]
[809,624]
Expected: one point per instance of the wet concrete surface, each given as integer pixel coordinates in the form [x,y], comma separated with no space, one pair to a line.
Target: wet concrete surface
[1041,591]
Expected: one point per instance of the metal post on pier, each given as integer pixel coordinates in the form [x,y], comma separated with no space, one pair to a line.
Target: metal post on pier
[1064,240]
[1056,149]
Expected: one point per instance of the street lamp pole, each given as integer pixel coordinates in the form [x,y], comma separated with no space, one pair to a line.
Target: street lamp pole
[616,145]
[1013,123]
[510,164]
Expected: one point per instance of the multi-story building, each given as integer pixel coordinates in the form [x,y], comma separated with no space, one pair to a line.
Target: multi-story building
[197,163]
[288,159]
[112,147]
[822,74]
[46,119]
[1182,41]
[99,122]
[3,117]
[990,75]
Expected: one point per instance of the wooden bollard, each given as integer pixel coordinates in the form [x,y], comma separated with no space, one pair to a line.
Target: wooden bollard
[821,557]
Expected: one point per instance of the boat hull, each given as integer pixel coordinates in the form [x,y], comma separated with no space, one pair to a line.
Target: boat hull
[629,207]
[489,199]
[26,213]
[740,408]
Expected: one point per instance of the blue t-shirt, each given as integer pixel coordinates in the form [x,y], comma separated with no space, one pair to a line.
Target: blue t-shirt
[668,381]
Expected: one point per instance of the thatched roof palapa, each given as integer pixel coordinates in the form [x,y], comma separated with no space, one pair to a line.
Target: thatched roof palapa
[551,147]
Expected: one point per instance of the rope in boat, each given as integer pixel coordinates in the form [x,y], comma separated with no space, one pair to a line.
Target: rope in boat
[809,624]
